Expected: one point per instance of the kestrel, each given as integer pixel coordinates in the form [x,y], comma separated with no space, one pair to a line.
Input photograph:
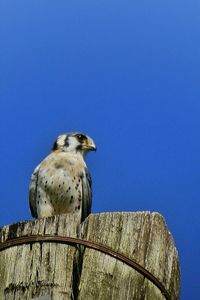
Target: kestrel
[61,183]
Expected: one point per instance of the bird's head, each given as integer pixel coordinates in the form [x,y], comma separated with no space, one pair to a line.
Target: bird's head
[74,142]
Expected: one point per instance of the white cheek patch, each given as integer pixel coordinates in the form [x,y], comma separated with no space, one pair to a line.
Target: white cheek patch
[73,143]
[61,140]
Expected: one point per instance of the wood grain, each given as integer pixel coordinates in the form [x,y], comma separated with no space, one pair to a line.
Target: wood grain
[59,271]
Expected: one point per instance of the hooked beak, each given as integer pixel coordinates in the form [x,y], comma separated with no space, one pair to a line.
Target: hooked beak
[93,148]
[90,145]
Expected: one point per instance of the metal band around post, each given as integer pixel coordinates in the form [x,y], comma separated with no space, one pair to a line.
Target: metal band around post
[93,245]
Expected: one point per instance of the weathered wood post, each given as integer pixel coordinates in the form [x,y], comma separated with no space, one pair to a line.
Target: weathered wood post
[128,256]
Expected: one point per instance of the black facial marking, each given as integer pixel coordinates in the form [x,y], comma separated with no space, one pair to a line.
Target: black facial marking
[55,146]
[66,141]
[79,148]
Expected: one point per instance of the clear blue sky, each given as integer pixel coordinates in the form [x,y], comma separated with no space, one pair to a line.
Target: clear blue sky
[128,74]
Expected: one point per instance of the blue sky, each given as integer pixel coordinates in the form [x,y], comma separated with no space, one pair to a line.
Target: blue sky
[127,74]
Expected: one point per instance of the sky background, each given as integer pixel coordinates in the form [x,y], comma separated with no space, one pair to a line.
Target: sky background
[127,73]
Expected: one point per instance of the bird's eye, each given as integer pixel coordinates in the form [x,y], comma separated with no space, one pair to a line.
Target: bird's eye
[80,137]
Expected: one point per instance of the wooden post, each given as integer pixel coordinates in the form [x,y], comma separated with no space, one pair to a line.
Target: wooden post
[55,271]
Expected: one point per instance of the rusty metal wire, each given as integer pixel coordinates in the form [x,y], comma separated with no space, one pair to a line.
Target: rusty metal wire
[89,244]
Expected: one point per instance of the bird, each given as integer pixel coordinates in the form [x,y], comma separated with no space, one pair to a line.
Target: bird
[61,183]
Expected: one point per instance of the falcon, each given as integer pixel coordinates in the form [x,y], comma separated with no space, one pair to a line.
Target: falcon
[61,183]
